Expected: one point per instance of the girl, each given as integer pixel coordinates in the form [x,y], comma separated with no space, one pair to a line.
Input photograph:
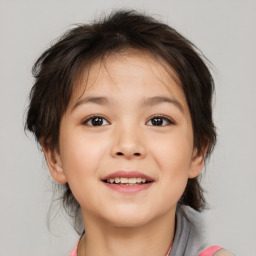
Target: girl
[122,110]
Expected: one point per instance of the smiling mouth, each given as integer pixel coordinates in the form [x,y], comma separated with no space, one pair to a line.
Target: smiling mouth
[127,181]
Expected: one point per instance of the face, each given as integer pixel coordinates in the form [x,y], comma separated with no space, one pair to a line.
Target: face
[126,142]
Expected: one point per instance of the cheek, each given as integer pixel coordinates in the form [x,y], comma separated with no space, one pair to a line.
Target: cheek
[80,156]
[173,154]
[173,157]
[81,165]
[175,167]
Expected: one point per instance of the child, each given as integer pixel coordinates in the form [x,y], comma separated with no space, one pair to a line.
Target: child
[122,110]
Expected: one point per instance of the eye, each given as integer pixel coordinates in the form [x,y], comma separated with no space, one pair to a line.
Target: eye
[96,121]
[159,121]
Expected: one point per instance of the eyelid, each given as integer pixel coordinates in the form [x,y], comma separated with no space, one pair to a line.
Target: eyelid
[90,117]
[166,118]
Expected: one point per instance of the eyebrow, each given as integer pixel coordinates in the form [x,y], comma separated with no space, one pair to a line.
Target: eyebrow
[151,101]
[96,100]
[162,99]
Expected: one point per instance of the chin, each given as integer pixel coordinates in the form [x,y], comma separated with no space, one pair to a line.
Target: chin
[129,217]
[130,222]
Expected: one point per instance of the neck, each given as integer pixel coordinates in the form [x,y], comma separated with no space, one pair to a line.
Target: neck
[104,239]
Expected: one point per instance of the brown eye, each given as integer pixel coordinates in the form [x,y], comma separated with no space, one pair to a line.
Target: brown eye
[159,121]
[96,121]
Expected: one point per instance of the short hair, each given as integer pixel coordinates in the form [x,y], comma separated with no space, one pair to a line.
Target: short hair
[58,67]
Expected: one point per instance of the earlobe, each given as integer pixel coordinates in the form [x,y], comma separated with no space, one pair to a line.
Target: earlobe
[197,164]
[54,164]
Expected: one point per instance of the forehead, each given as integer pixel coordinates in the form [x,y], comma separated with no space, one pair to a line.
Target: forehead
[130,68]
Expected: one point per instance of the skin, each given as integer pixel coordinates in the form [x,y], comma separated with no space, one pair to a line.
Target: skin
[126,140]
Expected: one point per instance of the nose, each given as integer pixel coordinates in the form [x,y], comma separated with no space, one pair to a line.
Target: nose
[128,144]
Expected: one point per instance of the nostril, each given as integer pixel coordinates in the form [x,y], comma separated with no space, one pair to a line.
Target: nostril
[121,154]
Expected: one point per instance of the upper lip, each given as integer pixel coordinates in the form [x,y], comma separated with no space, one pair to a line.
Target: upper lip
[127,174]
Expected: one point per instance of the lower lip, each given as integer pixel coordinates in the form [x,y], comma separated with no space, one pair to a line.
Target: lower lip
[129,189]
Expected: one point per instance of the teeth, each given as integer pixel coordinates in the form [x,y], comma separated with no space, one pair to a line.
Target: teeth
[138,180]
[132,180]
[122,180]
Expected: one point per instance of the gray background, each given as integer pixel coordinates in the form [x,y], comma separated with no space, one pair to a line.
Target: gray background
[223,30]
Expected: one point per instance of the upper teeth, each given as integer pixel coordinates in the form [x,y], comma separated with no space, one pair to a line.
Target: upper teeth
[126,180]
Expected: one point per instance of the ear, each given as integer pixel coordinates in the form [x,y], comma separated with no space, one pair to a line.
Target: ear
[197,163]
[54,164]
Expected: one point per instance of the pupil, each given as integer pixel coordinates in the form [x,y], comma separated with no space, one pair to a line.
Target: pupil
[97,121]
[157,121]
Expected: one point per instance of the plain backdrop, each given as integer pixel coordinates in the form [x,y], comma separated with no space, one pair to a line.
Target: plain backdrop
[223,30]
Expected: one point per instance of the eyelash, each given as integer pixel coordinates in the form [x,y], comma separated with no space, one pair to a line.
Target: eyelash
[90,118]
[163,118]
[160,118]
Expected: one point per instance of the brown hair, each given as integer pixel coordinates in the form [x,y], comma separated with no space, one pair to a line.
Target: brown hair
[58,67]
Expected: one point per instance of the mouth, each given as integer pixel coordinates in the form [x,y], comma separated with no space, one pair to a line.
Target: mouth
[123,181]
[128,181]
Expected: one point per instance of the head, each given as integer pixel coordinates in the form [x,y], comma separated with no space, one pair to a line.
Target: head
[60,69]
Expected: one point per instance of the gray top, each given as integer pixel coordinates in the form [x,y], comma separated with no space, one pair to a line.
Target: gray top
[188,240]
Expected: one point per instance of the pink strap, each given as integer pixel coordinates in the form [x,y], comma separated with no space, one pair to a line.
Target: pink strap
[210,251]
[74,251]
[169,250]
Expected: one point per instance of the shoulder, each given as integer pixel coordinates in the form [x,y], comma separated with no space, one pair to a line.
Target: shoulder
[223,252]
